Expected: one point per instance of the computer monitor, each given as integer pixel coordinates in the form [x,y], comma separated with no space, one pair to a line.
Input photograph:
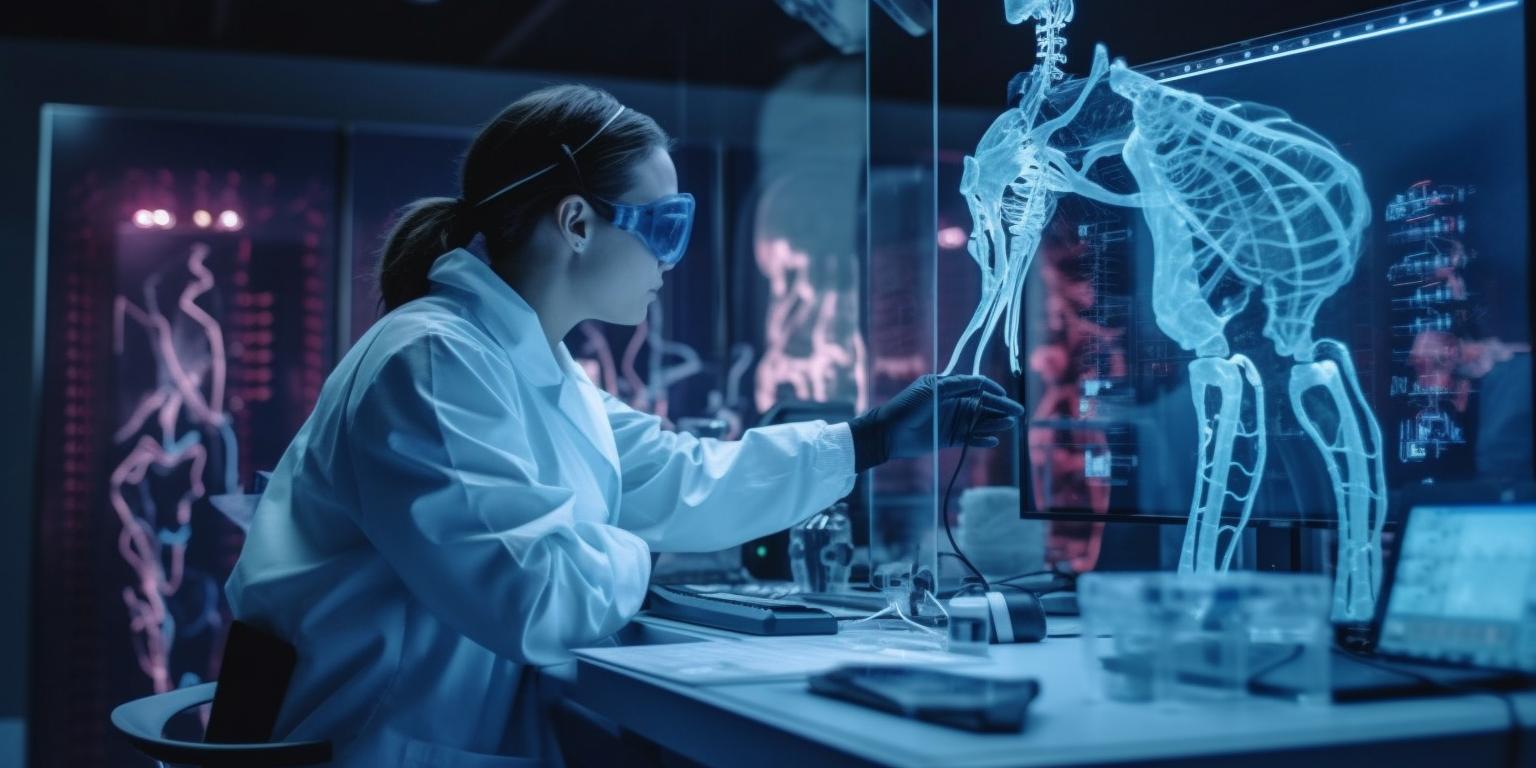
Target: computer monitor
[1428,101]
[1464,589]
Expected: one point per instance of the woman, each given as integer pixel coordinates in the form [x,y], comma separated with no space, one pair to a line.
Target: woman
[463,502]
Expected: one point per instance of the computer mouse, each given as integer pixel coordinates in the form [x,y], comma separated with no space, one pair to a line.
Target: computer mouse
[1016,617]
[1059,603]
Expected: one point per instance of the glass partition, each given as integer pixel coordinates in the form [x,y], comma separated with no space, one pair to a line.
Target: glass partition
[902,311]
[1278,283]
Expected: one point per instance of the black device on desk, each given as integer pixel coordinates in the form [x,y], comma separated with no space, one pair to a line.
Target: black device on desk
[958,701]
[1458,610]
[767,557]
[739,613]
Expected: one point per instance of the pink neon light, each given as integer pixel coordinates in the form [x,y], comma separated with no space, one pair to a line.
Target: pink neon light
[797,309]
[952,238]
[605,372]
[139,541]
[188,385]
[141,548]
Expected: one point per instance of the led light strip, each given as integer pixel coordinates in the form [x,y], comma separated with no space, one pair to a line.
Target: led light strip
[1278,50]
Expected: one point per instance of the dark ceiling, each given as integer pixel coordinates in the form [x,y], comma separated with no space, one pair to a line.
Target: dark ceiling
[748,43]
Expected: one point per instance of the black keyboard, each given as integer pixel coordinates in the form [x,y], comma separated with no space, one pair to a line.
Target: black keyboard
[740,613]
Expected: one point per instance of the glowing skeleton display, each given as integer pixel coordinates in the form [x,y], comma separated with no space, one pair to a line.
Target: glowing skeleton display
[1007,186]
[1238,198]
[188,359]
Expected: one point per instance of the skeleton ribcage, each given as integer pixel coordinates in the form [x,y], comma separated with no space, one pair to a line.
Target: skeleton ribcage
[1265,200]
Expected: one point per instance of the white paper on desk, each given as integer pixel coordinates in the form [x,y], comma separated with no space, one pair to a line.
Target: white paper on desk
[760,659]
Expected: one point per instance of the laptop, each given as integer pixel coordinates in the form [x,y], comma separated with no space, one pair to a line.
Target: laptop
[1457,610]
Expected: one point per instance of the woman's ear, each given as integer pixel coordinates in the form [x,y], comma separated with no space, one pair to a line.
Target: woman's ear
[573,219]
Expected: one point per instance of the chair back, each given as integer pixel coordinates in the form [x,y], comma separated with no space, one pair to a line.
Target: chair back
[253,679]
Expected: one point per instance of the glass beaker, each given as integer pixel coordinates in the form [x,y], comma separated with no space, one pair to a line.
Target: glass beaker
[821,550]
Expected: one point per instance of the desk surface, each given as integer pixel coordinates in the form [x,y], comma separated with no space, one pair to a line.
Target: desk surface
[736,723]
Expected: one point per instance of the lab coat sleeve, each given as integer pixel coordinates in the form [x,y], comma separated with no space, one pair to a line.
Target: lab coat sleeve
[450,496]
[686,494]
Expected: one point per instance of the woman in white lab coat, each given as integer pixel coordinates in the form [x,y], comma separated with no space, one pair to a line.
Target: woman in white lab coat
[463,502]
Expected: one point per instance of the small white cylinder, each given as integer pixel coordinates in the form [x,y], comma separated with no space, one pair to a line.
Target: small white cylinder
[970,625]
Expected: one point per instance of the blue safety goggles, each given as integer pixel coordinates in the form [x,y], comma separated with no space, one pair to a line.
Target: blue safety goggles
[663,225]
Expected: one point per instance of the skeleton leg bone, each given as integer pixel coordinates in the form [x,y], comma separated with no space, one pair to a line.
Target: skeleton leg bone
[1021,249]
[1220,433]
[1352,451]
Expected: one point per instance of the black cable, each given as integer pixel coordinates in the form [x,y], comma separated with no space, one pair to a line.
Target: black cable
[1509,703]
[1295,653]
[944,509]
[1056,584]
[1030,574]
[1006,581]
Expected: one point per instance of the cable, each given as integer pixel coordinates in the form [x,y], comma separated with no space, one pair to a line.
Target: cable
[1056,584]
[1297,649]
[975,401]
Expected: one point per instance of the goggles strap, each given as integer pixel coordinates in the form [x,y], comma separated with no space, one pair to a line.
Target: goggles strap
[570,155]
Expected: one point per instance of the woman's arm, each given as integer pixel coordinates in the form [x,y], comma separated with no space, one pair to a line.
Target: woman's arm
[686,494]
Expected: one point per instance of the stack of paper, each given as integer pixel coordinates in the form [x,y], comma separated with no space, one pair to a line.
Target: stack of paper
[760,659]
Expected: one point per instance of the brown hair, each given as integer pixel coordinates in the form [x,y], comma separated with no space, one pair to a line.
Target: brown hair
[532,133]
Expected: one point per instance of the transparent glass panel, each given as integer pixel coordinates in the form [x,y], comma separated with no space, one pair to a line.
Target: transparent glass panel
[904,551]
[1282,282]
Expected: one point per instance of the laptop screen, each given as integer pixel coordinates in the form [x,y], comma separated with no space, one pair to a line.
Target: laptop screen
[1465,587]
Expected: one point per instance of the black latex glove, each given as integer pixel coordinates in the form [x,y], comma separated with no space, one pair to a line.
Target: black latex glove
[972,410]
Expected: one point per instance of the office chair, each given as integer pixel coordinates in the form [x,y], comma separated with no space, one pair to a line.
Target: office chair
[253,679]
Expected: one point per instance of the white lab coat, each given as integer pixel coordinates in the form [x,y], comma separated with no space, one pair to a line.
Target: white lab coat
[462,503]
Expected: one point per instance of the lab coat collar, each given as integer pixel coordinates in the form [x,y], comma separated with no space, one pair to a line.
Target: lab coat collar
[504,314]
[584,395]
[511,321]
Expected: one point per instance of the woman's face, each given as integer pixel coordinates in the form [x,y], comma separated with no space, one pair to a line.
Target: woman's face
[617,275]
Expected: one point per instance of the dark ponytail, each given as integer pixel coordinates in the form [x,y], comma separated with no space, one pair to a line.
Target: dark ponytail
[426,229]
[527,136]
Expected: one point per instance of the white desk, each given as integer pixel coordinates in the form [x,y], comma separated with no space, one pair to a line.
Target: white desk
[783,724]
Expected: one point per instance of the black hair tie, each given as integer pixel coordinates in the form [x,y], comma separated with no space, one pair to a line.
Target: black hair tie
[465,222]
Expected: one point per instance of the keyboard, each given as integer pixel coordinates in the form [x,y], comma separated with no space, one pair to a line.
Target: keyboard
[1363,677]
[739,613]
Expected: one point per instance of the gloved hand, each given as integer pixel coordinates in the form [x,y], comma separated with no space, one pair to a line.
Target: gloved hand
[972,409]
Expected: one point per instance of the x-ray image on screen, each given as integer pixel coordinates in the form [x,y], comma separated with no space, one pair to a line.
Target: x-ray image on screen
[1435,312]
[1315,275]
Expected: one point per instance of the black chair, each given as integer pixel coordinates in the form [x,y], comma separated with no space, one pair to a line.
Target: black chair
[253,679]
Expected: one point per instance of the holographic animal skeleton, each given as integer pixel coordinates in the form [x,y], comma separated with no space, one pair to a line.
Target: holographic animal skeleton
[1239,198]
